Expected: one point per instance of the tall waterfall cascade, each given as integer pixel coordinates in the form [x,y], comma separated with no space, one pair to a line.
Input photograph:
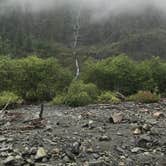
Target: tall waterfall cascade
[77,27]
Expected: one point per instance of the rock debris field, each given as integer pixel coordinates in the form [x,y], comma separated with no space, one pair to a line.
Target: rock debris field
[126,134]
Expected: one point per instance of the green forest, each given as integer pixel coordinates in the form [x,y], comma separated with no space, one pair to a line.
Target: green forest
[33,79]
[122,56]
[50,33]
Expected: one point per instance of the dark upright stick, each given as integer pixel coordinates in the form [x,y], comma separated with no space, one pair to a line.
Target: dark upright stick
[41,111]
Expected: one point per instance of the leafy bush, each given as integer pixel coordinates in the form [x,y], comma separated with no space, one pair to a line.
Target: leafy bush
[158,69]
[144,77]
[33,78]
[80,94]
[79,99]
[144,97]
[114,74]
[9,98]
[58,100]
[108,97]
[126,76]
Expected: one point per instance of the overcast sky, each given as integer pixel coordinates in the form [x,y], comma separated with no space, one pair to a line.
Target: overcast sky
[100,8]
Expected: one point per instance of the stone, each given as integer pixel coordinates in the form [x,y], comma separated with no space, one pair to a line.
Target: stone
[41,153]
[154,131]
[70,155]
[144,141]
[76,148]
[66,159]
[49,128]
[136,150]
[146,127]
[18,157]
[19,160]
[144,110]
[121,163]
[9,160]
[2,139]
[30,161]
[33,150]
[44,160]
[158,115]
[4,154]
[137,131]
[104,138]
[96,163]
[96,156]
[116,118]
[91,124]
[145,137]
[10,140]
[56,151]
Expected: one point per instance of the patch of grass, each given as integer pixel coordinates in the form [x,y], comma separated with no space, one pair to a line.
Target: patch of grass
[9,98]
[108,97]
[144,97]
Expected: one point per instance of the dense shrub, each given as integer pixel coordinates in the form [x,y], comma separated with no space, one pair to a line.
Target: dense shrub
[78,99]
[108,97]
[144,97]
[37,79]
[9,98]
[144,77]
[125,75]
[158,69]
[33,78]
[116,73]
[78,94]
[58,100]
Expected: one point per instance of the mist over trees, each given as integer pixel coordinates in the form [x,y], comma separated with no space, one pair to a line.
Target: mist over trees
[50,33]
[47,31]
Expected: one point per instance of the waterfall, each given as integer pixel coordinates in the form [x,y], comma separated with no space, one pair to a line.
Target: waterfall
[75,44]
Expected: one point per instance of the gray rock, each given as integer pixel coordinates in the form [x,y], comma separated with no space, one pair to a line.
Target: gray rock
[76,148]
[96,163]
[9,160]
[66,159]
[41,153]
[2,139]
[104,138]
[144,141]
[70,155]
[136,150]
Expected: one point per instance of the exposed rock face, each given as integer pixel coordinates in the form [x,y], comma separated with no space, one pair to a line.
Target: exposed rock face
[86,136]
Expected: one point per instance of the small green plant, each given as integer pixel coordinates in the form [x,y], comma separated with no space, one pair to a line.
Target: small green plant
[9,99]
[78,94]
[79,99]
[58,100]
[108,97]
[144,97]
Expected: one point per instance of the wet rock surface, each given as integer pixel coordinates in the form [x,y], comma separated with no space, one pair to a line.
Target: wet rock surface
[125,134]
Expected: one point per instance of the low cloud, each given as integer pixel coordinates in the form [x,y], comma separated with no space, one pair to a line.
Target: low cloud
[98,8]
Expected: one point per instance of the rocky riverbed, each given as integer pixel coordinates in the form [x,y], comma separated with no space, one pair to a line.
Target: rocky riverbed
[125,134]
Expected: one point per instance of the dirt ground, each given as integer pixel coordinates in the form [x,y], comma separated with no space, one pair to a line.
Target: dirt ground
[125,134]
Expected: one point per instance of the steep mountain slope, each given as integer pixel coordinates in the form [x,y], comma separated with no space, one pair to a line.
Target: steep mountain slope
[50,33]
